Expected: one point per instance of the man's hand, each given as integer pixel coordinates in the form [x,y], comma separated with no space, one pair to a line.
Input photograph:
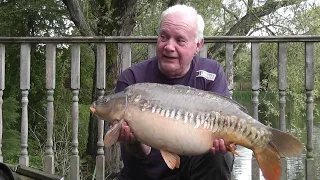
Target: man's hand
[131,143]
[219,146]
[126,135]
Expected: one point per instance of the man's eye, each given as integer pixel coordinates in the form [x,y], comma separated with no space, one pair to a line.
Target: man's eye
[163,37]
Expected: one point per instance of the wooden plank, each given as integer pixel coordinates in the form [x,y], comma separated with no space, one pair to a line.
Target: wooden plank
[255,66]
[25,66]
[229,67]
[2,66]
[204,51]
[101,66]
[50,66]
[126,55]
[309,48]
[152,50]
[75,66]
[282,66]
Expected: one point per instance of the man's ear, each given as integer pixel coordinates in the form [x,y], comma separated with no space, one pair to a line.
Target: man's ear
[199,45]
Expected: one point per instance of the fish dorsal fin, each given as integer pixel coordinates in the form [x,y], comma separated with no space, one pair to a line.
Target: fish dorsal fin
[172,160]
[242,108]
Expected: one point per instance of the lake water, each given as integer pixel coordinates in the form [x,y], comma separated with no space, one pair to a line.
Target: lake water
[295,165]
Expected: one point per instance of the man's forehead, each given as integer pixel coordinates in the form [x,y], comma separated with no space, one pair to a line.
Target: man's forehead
[178,19]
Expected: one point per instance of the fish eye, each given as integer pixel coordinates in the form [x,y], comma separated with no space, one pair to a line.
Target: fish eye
[105,99]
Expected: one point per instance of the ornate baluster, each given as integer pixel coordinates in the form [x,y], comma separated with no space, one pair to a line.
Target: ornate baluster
[255,79]
[282,82]
[2,86]
[282,85]
[50,86]
[101,82]
[309,83]
[75,86]
[24,86]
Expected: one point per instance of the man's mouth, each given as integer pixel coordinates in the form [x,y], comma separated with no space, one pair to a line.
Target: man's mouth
[170,57]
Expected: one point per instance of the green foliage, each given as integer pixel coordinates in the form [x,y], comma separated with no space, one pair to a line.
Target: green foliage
[11,145]
[11,113]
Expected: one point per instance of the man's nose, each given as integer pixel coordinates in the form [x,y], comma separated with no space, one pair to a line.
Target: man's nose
[170,45]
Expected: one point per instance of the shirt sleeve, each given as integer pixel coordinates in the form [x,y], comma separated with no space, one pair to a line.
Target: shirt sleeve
[220,84]
[125,79]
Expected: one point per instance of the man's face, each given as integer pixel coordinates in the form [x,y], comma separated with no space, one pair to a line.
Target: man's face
[176,44]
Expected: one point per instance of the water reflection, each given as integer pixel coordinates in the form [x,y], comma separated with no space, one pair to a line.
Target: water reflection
[295,165]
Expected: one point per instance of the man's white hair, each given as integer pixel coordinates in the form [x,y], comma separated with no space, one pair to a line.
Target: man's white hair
[188,11]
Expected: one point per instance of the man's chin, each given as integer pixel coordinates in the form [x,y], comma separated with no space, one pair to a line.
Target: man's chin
[169,70]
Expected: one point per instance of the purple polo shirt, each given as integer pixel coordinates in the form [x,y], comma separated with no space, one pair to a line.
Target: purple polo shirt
[204,74]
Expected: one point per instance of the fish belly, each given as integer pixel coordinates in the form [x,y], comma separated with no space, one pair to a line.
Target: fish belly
[169,134]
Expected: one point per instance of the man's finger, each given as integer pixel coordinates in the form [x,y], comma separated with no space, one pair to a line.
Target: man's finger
[216,145]
[132,138]
[126,133]
[122,133]
[222,146]
[213,150]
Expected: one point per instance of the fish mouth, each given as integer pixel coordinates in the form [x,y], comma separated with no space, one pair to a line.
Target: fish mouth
[93,108]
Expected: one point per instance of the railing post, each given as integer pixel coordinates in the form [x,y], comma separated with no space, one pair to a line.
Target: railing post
[50,86]
[24,87]
[75,86]
[2,86]
[152,50]
[309,83]
[101,83]
[282,85]
[229,67]
[204,51]
[126,55]
[255,79]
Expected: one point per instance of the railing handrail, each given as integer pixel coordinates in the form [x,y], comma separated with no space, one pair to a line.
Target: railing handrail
[153,39]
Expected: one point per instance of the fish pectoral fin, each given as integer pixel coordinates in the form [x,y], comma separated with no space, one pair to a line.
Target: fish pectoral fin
[232,148]
[112,135]
[172,160]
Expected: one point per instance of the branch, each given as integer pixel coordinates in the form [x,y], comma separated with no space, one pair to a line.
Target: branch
[250,4]
[247,22]
[230,12]
[78,18]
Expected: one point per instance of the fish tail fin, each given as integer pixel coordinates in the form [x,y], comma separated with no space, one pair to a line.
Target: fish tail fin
[269,162]
[286,144]
[281,145]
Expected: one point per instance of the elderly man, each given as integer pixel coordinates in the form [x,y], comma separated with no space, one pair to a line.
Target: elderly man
[180,38]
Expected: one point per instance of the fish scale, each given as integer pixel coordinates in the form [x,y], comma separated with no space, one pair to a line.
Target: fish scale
[225,124]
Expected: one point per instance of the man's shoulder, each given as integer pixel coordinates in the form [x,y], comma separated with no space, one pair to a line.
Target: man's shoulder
[206,62]
[139,67]
[206,65]
[143,64]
